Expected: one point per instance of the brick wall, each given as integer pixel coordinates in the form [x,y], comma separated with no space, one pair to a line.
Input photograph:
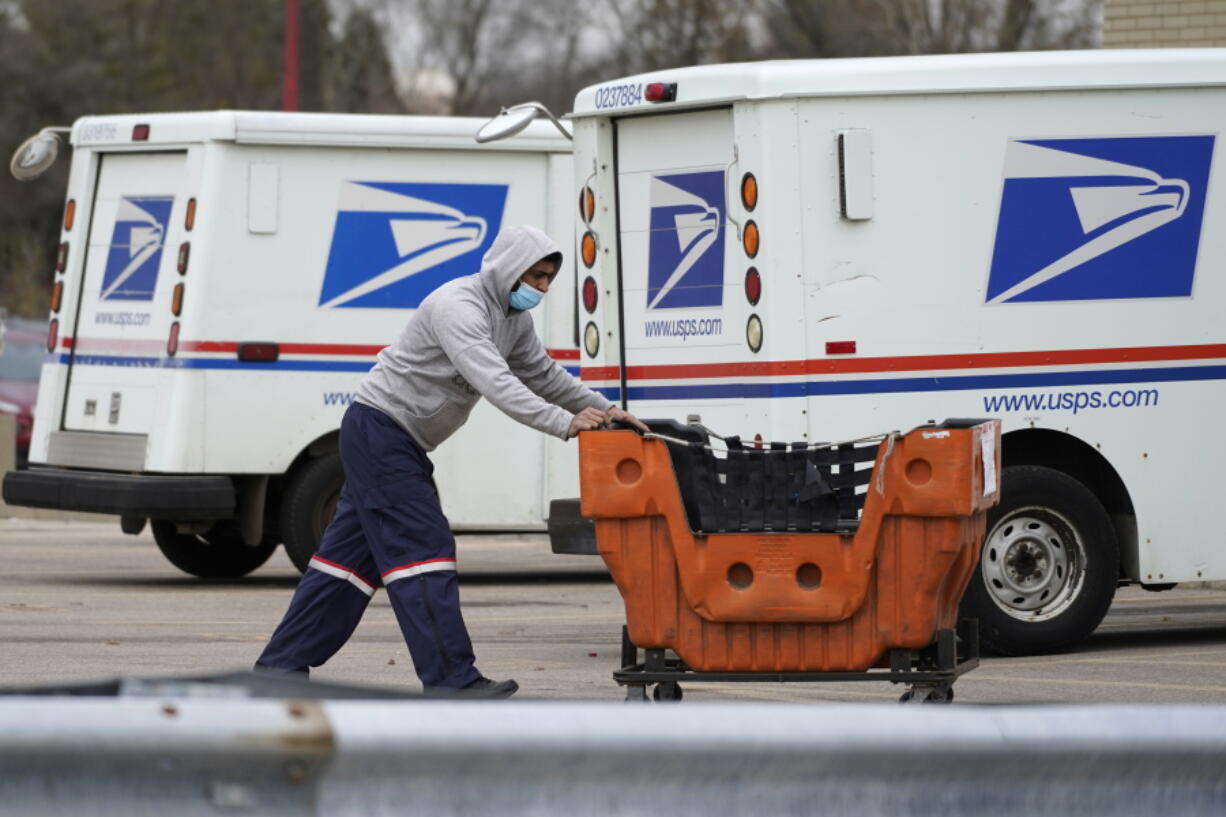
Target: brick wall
[1164,23]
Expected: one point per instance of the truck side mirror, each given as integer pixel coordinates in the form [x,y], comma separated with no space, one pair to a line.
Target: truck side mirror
[514,119]
[36,154]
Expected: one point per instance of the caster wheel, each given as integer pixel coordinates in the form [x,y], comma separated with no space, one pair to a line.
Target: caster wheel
[667,691]
[636,693]
[939,694]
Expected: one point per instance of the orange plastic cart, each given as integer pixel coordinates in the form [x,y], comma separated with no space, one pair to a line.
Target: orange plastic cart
[792,563]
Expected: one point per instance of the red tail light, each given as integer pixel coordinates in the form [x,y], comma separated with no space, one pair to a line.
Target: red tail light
[753,286]
[61,257]
[589,294]
[660,92]
[140,133]
[172,342]
[841,347]
[259,352]
[185,251]
[53,334]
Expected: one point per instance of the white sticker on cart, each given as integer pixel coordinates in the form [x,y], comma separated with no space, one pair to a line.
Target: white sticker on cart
[987,447]
[935,435]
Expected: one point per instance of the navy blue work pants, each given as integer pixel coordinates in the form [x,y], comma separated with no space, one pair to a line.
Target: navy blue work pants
[388,530]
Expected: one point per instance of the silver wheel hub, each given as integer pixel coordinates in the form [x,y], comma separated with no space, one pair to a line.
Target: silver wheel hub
[1033,564]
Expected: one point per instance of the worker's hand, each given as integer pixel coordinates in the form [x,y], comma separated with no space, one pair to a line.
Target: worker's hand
[617,415]
[586,420]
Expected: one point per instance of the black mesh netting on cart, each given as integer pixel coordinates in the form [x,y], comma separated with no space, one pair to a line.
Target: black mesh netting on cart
[804,487]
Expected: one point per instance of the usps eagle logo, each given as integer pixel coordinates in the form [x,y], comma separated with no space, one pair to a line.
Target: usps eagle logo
[395,242]
[685,263]
[1105,218]
[132,262]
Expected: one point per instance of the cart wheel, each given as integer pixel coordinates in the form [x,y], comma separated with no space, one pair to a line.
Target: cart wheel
[667,691]
[928,694]
[636,693]
[942,694]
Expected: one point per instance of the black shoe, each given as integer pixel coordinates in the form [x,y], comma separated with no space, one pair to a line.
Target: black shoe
[481,688]
[304,672]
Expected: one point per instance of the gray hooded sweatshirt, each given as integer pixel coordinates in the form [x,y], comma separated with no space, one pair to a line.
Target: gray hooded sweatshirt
[465,342]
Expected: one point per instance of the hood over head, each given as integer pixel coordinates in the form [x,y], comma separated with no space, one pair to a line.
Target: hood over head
[512,253]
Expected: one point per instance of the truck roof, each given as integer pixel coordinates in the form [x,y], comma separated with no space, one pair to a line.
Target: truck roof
[317,129]
[706,85]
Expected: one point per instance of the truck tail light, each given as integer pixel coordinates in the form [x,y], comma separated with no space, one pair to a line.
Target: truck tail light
[53,334]
[749,191]
[61,257]
[185,252]
[840,347]
[189,220]
[660,92]
[753,333]
[57,295]
[753,286]
[587,204]
[589,294]
[172,342]
[259,352]
[176,300]
[587,248]
[751,238]
[140,133]
[70,214]
[591,339]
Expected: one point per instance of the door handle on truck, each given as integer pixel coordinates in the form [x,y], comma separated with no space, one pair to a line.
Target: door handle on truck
[735,159]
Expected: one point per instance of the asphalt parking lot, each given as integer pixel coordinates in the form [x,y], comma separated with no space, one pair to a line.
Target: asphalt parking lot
[80,601]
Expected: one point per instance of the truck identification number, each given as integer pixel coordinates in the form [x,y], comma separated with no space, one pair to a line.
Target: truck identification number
[619,96]
[99,132]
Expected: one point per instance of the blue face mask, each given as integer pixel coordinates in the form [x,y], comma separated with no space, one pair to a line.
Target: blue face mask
[526,297]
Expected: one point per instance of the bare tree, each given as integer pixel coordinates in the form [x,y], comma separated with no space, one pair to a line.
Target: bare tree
[363,79]
[853,28]
[667,33]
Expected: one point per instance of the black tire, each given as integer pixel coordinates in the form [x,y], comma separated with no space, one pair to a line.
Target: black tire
[218,554]
[667,691]
[1049,566]
[308,505]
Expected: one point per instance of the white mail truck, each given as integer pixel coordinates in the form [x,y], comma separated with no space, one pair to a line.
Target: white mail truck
[223,282]
[820,250]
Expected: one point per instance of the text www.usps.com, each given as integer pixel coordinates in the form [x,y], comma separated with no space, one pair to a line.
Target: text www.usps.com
[684,327]
[1073,401]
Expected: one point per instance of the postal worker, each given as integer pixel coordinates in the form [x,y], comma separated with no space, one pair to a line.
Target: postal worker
[470,338]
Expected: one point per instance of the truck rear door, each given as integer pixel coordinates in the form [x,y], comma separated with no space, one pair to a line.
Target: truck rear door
[683,321]
[124,309]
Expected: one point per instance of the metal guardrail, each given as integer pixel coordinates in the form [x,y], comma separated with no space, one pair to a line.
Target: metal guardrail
[219,755]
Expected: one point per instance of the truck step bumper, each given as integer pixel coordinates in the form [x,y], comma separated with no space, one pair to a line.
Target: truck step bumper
[155,496]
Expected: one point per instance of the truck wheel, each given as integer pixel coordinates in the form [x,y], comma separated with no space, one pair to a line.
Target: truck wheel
[218,554]
[1049,566]
[308,505]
